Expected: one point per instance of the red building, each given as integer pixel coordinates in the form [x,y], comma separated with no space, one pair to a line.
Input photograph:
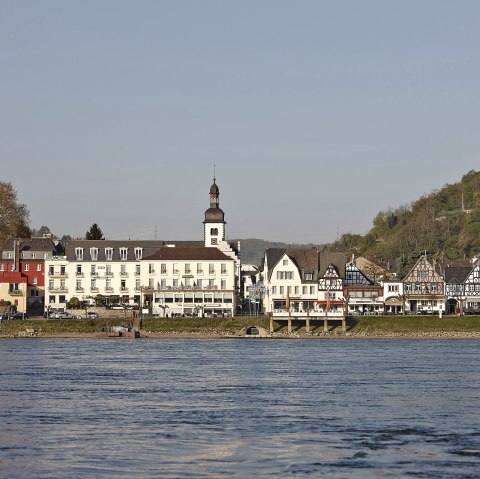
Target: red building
[22,272]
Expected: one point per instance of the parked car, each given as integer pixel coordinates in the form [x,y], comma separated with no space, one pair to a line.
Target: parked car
[3,316]
[19,316]
[63,316]
[89,315]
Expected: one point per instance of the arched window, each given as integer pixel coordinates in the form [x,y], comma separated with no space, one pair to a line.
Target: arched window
[214,231]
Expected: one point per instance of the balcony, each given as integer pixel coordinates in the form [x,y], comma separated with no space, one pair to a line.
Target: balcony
[15,292]
[58,275]
[79,274]
[123,274]
[94,290]
[124,290]
[109,274]
[59,289]
[187,288]
[109,289]
[79,290]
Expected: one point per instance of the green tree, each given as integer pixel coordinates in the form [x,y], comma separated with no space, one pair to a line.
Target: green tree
[94,233]
[14,216]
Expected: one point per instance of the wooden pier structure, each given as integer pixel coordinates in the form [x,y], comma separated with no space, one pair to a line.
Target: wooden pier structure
[308,321]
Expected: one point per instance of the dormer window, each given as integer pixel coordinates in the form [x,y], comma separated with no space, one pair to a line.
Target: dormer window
[109,254]
[138,253]
[94,254]
[308,276]
[79,254]
[123,253]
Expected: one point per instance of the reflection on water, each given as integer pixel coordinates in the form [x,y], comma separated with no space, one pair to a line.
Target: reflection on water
[239,408]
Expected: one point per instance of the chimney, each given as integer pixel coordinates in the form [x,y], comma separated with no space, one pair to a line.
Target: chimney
[16,254]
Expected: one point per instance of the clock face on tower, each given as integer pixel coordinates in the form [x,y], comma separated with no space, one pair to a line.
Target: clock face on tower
[214,240]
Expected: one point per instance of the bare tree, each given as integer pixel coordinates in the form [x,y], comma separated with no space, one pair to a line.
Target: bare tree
[14,216]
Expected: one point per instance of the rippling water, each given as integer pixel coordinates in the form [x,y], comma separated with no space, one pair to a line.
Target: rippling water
[239,408]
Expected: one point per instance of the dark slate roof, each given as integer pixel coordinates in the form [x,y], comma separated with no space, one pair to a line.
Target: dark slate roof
[45,245]
[214,215]
[306,260]
[442,265]
[456,274]
[188,254]
[337,259]
[272,257]
[149,247]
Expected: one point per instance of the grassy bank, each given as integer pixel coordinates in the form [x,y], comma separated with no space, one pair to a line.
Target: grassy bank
[361,326]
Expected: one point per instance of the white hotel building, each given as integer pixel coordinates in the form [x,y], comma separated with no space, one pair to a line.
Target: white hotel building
[171,278]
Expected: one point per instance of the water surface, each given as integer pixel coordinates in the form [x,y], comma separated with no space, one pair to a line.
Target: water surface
[239,408]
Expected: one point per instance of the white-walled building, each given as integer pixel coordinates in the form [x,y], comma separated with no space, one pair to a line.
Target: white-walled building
[303,282]
[175,278]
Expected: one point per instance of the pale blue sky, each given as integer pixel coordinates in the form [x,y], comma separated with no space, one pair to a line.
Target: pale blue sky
[316,114]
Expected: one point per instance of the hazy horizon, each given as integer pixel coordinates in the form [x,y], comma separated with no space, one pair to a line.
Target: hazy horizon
[316,114]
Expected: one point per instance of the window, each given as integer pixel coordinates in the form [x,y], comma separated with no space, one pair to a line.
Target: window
[163,283]
[79,270]
[138,253]
[78,286]
[214,231]
[79,254]
[35,280]
[137,284]
[304,289]
[211,283]
[108,270]
[296,289]
[108,284]
[312,289]
[285,262]
[62,284]
[175,283]
[51,270]
[26,267]
[151,268]
[199,283]
[92,270]
[51,284]
[211,268]
[282,289]
[34,255]
[39,267]
[223,268]
[108,254]
[176,269]
[123,253]
[289,290]
[223,284]
[137,269]
[187,268]
[199,268]
[151,284]
[2,267]
[94,254]
[123,270]
[308,276]
[163,268]
[274,290]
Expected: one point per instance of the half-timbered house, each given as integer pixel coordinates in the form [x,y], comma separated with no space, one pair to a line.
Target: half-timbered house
[424,288]
[362,295]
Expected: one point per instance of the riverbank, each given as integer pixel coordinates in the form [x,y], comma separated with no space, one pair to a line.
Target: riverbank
[400,327]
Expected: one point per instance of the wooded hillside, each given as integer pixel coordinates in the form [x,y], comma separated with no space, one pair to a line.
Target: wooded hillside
[445,224]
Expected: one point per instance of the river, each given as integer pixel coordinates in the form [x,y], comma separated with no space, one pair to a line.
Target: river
[239,408]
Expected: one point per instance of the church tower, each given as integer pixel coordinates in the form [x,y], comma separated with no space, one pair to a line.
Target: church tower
[214,224]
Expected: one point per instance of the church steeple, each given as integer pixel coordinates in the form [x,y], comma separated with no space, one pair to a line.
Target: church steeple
[214,224]
[214,195]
